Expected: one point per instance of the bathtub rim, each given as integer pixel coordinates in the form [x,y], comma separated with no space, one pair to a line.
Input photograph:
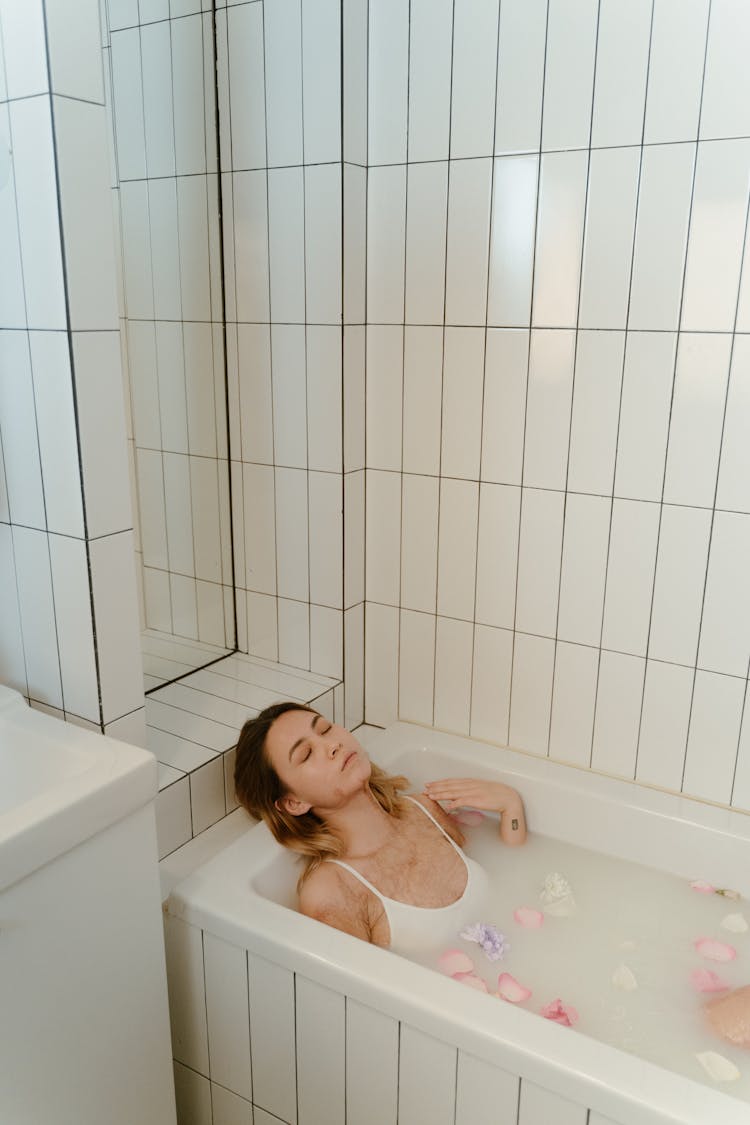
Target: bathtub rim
[218,897]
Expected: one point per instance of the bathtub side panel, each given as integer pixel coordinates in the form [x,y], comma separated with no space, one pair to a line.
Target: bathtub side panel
[426,1079]
[485,1094]
[272,1039]
[321,1053]
[226,1011]
[540,1107]
[371,1065]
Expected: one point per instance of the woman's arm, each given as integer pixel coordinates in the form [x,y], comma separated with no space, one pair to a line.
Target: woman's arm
[492,796]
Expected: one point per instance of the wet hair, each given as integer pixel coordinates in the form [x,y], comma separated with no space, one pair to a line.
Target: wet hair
[258,788]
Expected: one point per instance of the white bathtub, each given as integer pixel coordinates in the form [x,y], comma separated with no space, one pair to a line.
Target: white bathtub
[317,1027]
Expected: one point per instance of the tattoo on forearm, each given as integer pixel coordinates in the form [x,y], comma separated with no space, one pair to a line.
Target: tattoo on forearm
[514,824]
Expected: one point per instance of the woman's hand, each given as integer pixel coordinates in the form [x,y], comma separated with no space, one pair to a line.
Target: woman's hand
[491,796]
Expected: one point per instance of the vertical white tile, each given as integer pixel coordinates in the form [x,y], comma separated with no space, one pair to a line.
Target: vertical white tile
[192,205]
[322,244]
[262,626]
[559,238]
[618,713]
[286,244]
[192,1096]
[717,229]
[469,190]
[483,1092]
[661,235]
[696,419]
[514,200]
[503,416]
[427,1079]
[204,421]
[539,556]
[283,48]
[25,49]
[382,536]
[229,1108]
[548,406]
[520,75]
[321,1059]
[226,1010]
[101,435]
[430,44]
[326,643]
[419,542]
[292,534]
[164,234]
[622,53]
[490,687]
[187,988]
[260,528]
[188,93]
[271,993]
[497,554]
[136,250]
[178,510]
[734,466]
[37,612]
[12,666]
[426,217]
[715,719]
[354,538]
[596,395]
[354,40]
[538,1106]
[381,664]
[388,71]
[255,392]
[354,666]
[152,514]
[326,539]
[675,70]
[584,568]
[251,245]
[75,638]
[741,783]
[371,1066]
[170,356]
[130,728]
[127,98]
[531,693]
[158,114]
[321,81]
[355,243]
[354,397]
[386,224]
[294,632]
[12,306]
[664,724]
[385,346]
[21,453]
[184,612]
[324,397]
[644,414]
[157,612]
[457,548]
[246,86]
[422,399]
[473,78]
[569,74]
[726,84]
[416,682]
[573,700]
[725,623]
[205,482]
[118,639]
[289,395]
[630,576]
[38,214]
[463,379]
[608,238]
[74,47]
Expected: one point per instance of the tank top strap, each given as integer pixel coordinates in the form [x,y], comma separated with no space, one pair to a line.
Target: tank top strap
[437,824]
[353,871]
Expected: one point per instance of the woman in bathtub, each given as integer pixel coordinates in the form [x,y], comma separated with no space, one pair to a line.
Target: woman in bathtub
[382,866]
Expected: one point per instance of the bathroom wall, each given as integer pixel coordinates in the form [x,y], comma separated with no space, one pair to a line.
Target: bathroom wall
[558,381]
[69,636]
[159,63]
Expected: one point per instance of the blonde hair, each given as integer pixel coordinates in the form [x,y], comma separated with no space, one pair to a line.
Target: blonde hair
[258,788]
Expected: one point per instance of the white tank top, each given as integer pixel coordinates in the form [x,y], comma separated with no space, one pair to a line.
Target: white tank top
[415,929]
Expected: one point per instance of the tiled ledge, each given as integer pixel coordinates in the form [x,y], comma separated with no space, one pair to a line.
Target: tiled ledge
[192,727]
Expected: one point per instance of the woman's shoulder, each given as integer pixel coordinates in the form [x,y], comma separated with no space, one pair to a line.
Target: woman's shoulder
[325,888]
[444,819]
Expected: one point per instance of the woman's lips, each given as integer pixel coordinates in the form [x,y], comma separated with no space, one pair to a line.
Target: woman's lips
[352,754]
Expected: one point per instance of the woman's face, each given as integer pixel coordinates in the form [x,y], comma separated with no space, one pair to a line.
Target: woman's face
[320,765]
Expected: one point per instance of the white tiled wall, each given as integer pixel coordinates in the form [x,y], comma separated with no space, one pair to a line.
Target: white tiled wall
[558,514]
[69,637]
[159,62]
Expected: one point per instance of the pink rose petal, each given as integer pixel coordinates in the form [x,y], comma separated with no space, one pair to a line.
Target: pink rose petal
[468,817]
[715,950]
[455,961]
[701,887]
[509,989]
[472,980]
[706,980]
[528,917]
[558,1012]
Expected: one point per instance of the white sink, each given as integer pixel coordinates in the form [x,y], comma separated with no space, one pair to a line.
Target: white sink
[59,785]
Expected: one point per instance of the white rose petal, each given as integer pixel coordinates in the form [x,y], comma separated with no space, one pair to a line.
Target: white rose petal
[717,1067]
[735,922]
[561,907]
[624,978]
